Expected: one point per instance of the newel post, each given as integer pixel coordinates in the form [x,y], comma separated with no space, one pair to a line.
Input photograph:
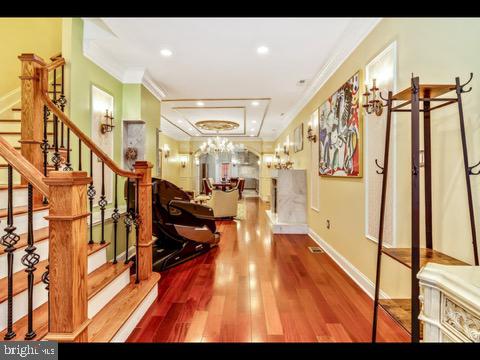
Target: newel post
[145,239]
[68,298]
[32,112]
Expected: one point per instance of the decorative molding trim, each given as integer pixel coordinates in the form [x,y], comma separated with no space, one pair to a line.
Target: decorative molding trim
[356,275]
[155,89]
[352,38]
[8,101]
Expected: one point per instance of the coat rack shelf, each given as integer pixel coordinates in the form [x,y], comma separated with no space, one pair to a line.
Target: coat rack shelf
[416,99]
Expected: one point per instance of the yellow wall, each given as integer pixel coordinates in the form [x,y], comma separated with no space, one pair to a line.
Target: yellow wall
[437,50]
[42,36]
[171,166]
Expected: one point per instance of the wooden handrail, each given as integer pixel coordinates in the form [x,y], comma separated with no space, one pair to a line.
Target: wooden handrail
[86,140]
[55,64]
[23,166]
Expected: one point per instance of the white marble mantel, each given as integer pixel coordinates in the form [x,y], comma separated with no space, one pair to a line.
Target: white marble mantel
[450,297]
[291,202]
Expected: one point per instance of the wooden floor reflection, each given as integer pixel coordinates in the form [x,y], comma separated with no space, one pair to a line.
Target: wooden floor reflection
[256,287]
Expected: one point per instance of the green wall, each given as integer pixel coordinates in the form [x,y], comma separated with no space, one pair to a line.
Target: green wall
[131,102]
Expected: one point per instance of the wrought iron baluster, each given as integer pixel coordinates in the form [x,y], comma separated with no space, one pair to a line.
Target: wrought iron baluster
[115,218]
[136,222]
[56,155]
[45,145]
[79,154]
[68,165]
[62,102]
[9,240]
[128,221]
[30,260]
[91,195]
[103,203]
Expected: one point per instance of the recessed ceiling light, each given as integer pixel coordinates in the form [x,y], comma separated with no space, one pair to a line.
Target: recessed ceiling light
[166,52]
[254,121]
[252,135]
[190,128]
[180,121]
[252,129]
[255,103]
[262,50]
[200,103]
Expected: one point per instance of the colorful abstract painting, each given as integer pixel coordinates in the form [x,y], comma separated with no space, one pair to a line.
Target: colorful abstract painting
[340,132]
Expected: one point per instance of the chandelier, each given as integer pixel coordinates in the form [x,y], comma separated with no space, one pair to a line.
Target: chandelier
[217,145]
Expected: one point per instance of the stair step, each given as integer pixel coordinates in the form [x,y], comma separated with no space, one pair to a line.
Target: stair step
[17,133]
[38,235]
[16,109]
[20,210]
[40,324]
[97,280]
[15,187]
[107,322]
[19,196]
[104,275]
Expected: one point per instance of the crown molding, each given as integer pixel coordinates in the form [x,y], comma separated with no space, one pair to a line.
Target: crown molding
[352,37]
[126,75]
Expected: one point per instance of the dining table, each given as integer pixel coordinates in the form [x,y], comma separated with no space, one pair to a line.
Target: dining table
[222,185]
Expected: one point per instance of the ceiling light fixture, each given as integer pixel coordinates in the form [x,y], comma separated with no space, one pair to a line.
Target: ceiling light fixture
[255,103]
[166,52]
[262,50]
[254,121]
[200,103]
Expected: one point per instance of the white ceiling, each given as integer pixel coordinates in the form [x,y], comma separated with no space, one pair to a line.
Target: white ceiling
[216,58]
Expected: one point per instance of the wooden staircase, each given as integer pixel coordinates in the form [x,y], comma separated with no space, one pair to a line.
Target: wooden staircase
[115,302]
[71,291]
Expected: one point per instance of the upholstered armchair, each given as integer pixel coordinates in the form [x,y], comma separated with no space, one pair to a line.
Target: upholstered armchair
[207,186]
[224,203]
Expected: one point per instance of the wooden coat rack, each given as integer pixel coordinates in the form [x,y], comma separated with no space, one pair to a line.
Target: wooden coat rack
[415,257]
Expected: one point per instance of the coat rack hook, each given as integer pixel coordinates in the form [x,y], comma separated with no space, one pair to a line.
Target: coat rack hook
[380,167]
[470,88]
[470,169]
[381,97]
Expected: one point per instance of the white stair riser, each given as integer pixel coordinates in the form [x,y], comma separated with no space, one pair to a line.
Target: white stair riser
[21,222]
[124,332]
[42,250]
[20,304]
[19,196]
[40,295]
[102,298]
[96,260]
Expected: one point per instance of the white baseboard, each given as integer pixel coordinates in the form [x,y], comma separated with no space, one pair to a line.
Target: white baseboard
[360,279]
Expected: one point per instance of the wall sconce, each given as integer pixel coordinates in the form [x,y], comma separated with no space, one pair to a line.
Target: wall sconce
[310,135]
[183,161]
[286,148]
[268,161]
[374,106]
[234,162]
[166,151]
[107,126]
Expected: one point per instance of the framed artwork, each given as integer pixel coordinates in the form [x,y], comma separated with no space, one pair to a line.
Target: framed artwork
[340,132]
[298,138]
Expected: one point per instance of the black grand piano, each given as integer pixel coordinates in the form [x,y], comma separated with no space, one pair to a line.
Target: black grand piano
[183,229]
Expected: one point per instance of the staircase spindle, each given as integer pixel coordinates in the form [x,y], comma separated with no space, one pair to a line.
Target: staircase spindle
[137,225]
[9,240]
[103,203]
[45,145]
[128,221]
[30,260]
[68,165]
[56,155]
[62,101]
[91,195]
[115,218]
[79,154]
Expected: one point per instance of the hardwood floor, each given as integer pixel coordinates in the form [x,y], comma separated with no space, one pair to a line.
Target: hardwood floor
[256,287]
